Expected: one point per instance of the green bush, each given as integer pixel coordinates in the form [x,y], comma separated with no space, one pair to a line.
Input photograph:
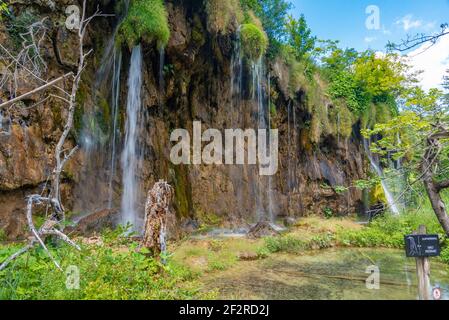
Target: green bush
[445,255]
[284,244]
[254,41]
[147,20]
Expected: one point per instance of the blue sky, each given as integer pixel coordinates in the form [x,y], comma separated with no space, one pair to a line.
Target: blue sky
[344,20]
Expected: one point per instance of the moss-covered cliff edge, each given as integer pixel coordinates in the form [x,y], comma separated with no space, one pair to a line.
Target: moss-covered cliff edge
[319,144]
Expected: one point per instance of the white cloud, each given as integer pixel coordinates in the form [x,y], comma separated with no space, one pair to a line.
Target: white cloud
[408,23]
[434,62]
[370,39]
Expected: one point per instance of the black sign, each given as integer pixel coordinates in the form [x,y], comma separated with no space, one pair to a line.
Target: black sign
[425,245]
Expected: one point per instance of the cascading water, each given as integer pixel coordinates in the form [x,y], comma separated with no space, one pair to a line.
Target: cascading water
[264,209]
[129,160]
[237,173]
[115,112]
[100,133]
[161,76]
[376,167]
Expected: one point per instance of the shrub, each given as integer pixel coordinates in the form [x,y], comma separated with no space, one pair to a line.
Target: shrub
[254,41]
[445,255]
[284,244]
[146,20]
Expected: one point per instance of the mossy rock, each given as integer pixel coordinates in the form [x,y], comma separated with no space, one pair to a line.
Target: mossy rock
[254,41]
[147,20]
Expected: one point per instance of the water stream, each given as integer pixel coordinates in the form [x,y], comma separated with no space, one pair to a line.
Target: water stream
[264,193]
[130,154]
[378,170]
[335,274]
[115,114]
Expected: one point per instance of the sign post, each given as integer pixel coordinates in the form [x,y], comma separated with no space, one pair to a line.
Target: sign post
[421,246]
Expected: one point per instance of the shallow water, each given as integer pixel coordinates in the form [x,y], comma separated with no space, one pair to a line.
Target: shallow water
[336,274]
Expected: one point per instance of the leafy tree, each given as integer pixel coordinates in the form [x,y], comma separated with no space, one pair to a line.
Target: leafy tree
[381,75]
[300,36]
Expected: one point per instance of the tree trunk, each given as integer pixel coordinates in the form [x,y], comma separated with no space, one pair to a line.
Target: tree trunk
[432,188]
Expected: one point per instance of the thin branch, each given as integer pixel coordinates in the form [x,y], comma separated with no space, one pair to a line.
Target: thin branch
[30,93]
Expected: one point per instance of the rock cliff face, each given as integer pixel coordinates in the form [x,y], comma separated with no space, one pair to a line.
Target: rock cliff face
[197,85]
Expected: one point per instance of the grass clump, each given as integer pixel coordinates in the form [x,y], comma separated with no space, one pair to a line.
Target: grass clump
[147,20]
[254,41]
[221,14]
[286,243]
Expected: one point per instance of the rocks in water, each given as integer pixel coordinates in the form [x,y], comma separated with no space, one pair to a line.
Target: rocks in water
[95,223]
[262,229]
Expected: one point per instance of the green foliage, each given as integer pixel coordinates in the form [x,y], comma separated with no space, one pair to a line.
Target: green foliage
[299,37]
[273,15]
[292,244]
[389,231]
[322,241]
[254,41]
[3,9]
[328,213]
[445,255]
[107,271]
[367,83]
[284,244]
[147,20]
[344,87]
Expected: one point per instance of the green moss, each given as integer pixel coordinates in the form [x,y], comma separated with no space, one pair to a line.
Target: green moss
[254,41]
[103,115]
[147,20]
[183,194]
[198,32]
[375,113]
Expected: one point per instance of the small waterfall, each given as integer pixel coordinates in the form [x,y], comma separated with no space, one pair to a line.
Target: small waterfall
[237,77]
[264,201]
[237,173]
[100,134]
[130,155]
[115,112]
[376,167]
[270,178]
[161,76]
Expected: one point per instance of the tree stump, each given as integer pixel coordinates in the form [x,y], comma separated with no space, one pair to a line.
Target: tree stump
[157,209]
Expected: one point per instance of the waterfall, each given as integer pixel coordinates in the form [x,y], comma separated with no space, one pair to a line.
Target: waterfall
[236,77]
[270,178]
[129,160]
[115,112]
[161,76]
[237,173]
[376,167]
[264,209]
